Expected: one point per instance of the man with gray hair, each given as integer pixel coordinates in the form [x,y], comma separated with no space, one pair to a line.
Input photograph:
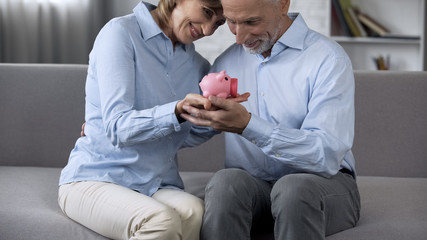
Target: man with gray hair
[288,148]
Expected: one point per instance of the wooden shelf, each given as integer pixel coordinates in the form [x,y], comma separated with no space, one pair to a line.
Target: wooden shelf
[374,40]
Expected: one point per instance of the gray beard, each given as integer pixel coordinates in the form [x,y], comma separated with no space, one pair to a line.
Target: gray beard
[263,47]
[266,43]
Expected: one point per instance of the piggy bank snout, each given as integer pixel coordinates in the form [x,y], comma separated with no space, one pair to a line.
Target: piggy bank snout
[233,87]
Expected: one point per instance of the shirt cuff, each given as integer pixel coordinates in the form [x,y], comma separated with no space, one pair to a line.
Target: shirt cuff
[258,131]
[165,115]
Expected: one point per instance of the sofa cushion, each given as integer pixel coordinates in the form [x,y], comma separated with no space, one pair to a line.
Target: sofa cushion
[195,182]
[392,208]
[42,110]
[31,193]
[390,124]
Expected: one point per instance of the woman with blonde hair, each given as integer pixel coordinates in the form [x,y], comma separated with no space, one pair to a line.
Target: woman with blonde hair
[122,178]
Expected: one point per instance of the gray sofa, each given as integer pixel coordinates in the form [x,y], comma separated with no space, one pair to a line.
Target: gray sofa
[42,109]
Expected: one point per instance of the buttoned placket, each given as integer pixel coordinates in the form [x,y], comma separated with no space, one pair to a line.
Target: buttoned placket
[261,87]
[169,65]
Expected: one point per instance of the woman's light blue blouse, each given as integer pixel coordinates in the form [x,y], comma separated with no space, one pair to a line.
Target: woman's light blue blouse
[134,80]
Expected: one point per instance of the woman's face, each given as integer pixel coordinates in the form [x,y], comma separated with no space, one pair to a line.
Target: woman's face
[191,20]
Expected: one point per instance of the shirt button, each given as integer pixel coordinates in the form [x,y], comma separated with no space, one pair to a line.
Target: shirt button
[277,155]
[253,141]
[263,63]
[262,94]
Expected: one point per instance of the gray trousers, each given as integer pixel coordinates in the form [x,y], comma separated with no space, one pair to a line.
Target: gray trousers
[298,206]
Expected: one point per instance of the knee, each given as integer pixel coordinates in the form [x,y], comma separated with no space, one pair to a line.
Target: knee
[162,224]
[294,191]
[225,184]
[192,211]
[171,225]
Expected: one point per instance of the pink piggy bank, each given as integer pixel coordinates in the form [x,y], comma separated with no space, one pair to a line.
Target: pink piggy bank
[219,84]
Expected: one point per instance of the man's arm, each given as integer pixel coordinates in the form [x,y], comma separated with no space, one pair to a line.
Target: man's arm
[321,142]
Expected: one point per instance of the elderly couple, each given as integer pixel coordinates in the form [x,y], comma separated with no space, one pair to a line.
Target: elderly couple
[289,163]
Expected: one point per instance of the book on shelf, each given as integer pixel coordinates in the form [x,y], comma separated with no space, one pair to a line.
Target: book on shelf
[340,14]
[373,25]
[336,29]
[352,11]
[345,6]
[347,19]
[355,23]
[378,30]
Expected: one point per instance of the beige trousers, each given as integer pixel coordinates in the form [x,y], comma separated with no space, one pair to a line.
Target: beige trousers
[117,212]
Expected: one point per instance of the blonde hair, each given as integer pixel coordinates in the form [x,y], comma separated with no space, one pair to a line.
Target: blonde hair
[165,8]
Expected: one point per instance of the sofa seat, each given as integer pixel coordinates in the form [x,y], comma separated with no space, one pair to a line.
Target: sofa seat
[393,208]
[29,200]
[31,193]
[391,204]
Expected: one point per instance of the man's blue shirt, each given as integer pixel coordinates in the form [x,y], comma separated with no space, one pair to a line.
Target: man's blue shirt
[302,106]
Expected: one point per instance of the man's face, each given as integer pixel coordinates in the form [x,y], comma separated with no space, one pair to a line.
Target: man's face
[257,24]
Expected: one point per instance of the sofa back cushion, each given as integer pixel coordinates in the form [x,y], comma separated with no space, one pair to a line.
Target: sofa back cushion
[390,127]
[41,112]
[391,124]
[42,109]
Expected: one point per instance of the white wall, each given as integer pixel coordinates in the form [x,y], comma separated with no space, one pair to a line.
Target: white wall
[210,47]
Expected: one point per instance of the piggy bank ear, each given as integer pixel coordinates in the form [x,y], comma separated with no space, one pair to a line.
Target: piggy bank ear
[220,75]
[224,76]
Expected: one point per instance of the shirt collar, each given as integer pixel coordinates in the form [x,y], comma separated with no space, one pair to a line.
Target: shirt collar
[148,26]
[292,38]
[296,33]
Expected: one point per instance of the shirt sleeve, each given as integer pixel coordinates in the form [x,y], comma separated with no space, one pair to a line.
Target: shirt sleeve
[326,134]
[113,64]
[199,135]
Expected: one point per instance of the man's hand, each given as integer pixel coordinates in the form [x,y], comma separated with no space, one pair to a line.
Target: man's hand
[241,98]
[229,116]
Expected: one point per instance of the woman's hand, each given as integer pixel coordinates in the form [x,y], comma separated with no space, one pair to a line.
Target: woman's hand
[200,102]
[194,100]
[82,133]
